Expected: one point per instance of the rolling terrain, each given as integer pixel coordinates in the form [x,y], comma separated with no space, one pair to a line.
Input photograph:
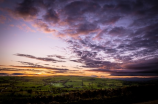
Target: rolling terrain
[70,89]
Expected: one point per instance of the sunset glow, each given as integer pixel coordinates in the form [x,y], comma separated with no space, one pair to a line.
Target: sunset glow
[96,38]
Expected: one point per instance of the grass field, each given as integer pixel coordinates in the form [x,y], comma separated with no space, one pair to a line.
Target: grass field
[64,86]
[35,86]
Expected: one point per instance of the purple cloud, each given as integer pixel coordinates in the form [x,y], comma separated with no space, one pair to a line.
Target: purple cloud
[103,34]
[39,58]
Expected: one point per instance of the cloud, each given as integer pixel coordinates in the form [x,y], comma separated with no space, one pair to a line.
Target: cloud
[111,34]
[133,74]
[25,27]
[2,19]
[144,65]
[40,67]
[27,9]
[18,69]
[17,74]
[4,74]
[97,63]
[76,9]
[21,74]
[42,25]
[118,31]
[51,16]
[31,68]
[27,63]
[86,28]
[140,68]
[39,58]
[91,60]
[57,56]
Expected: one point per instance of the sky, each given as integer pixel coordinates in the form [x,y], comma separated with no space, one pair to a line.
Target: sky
[96,38]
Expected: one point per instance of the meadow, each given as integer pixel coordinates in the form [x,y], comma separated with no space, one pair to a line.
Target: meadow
[35,86]
[45,87]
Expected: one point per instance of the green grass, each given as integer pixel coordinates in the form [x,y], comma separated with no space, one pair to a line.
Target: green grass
[57,84]
[45,86]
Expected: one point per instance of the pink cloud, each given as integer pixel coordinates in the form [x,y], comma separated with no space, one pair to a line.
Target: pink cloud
[25,27]
[16,15]
[42,25]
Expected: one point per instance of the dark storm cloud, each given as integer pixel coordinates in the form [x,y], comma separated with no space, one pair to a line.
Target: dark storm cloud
[39,58]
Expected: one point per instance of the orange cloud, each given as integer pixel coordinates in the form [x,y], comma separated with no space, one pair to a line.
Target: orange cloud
[42,25]
[25,27]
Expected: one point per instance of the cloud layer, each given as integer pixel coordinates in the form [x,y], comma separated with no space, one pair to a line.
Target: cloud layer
[114,36]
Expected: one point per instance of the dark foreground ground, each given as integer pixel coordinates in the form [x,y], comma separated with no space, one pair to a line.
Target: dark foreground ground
[128,95]
[148,102]
[108,94]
